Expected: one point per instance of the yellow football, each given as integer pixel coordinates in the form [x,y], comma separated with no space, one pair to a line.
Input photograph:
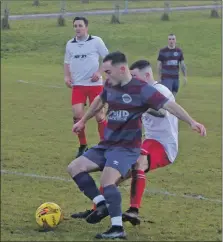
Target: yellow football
[49,215]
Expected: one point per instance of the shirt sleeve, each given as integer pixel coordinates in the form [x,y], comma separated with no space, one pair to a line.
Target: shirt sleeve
[152,98]
[67,56]
[160,56]
[101,47]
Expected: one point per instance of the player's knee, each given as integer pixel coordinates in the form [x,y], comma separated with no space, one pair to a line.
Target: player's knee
[142,163]
[77,113]
[75,167]
[71,169]
[105,183]
[75,120]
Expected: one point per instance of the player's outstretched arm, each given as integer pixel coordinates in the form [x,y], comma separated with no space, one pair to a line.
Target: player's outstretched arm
[180,113]
[95,107]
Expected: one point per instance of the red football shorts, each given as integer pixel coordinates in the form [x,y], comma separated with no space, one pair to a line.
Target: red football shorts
[156,154]
[80,94]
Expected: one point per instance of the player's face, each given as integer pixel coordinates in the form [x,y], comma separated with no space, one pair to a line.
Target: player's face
[171,40]
[113,73]
[80,28]
[139,74]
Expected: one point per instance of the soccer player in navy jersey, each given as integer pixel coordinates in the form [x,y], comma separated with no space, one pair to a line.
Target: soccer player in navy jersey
[169,60]
[127,98]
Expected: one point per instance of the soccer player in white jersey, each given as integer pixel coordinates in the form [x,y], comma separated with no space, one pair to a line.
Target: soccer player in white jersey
[160,146]
[82,74]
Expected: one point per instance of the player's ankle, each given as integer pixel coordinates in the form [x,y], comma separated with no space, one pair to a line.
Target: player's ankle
[134,209]
[117,222]
[118,227]
[101,203]
[99,200]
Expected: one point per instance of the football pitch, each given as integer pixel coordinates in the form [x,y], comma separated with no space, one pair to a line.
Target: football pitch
[183,202]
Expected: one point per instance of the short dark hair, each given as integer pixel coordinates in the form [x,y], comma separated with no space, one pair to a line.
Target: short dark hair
[81,18]
[116,57]
[140,64]
[171,35]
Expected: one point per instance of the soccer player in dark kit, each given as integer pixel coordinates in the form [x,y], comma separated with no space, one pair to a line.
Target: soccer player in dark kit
[127,98]
[169,60]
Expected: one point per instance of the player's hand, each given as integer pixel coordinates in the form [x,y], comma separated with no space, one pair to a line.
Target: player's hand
[68,82]
[78,127]
[96,76]
[185,81]
[199,128]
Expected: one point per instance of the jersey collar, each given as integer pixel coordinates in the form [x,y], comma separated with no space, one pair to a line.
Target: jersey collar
[89,37]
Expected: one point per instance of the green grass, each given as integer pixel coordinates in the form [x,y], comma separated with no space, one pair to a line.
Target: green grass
[37,121]
[26,7]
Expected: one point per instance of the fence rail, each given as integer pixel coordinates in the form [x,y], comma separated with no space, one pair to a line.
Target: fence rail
[109,12]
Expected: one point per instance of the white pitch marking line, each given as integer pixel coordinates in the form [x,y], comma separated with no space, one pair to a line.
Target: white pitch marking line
[39,84]
[153,191]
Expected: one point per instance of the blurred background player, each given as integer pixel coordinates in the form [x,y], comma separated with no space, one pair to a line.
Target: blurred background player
[160,147]
[82,74]
[169,60]
[128,98]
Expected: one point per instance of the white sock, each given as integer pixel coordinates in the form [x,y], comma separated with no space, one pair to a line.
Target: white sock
[98,199]
[116,221]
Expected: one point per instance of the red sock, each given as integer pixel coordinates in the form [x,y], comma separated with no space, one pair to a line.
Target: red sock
[82,137]
[101,190]
[138,185]
[101,128]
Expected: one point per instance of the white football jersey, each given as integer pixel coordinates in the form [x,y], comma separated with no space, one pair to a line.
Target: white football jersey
[164,130]
[83,59]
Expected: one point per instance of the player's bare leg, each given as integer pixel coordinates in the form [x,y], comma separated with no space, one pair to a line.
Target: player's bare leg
[78,113]
[137,189]
[110,177]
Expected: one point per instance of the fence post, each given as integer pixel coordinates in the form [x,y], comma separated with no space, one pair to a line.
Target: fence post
[35,2]
[126,6]
[116,15]
[214,11]
[61,19]
[165,16]
[5,19]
